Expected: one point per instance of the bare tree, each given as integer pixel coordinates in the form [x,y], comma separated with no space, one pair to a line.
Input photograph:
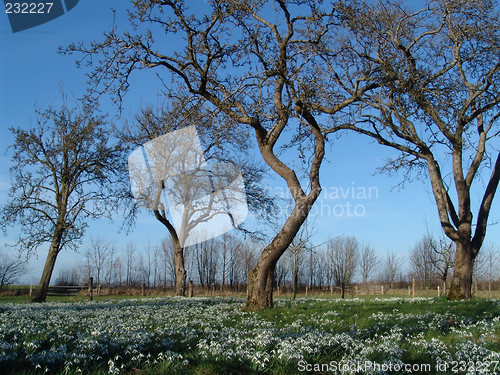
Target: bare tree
[99,256]
[248,258]
[130,260]
[167,266]
[322,275]
[444,257]
[229,243]
[156,265]
[312,269]
[301,244]
[256,68]
[141,274]
[486,266]
[69,276]
[148,263]
[368,262]
[113,274]
[239,258]
[66,170]
[392,269]
[200,178]
[343,256]
[437,65]
[11,269]
[298,249]
[206,257]
[283,268]
[423,261]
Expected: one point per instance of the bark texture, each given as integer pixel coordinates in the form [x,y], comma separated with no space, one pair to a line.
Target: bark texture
[261,278]
[41,294]
[461,283]
[180,270]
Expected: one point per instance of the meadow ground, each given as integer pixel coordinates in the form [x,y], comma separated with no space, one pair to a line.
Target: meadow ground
[216,335]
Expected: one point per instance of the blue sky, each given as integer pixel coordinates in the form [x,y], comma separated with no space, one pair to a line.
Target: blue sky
[31,70]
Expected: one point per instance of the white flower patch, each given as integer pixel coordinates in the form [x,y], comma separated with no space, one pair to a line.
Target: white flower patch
[124,334]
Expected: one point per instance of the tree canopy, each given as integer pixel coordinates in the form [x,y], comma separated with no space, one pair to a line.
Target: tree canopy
[420,77]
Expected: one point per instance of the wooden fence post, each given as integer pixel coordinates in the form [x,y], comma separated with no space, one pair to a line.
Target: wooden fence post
[306,290]
[91,285]
[142,292]
[31,289]
[439,291]
[413,289]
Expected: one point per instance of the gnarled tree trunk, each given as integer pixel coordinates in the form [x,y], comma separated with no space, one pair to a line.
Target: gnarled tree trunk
[261,284]
[261,279]
[180,270]
[461,283]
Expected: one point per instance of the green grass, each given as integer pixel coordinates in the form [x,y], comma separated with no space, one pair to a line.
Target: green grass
[352,312]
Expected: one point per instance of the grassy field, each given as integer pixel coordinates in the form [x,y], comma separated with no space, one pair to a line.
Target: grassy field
[151,293]
[170,335]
